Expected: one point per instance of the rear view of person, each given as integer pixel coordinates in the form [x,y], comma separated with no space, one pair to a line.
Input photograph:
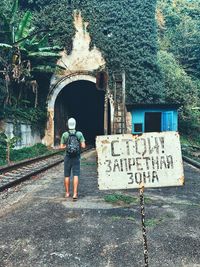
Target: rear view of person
[73,141]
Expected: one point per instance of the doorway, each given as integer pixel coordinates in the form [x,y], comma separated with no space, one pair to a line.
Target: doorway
[152,122]
[81,100]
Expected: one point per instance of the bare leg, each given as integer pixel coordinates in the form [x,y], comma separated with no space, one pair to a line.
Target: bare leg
[75,185]
[67,186]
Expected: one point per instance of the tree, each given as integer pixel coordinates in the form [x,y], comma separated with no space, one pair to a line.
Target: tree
[179,87]
[6,146]
[179,59]
[22,54]
[179,32]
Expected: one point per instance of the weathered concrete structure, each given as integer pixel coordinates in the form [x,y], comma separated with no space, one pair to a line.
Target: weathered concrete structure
[27,136]
[76,81]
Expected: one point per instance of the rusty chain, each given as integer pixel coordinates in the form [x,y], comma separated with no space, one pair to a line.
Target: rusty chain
[146,263]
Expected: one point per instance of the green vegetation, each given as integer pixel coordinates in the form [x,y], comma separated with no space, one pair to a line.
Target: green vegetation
[179,59]
[153,222]
[161,60]
[124,31]
[179,34]
[189,142]
[190,147]
[87,163]
[35,116]
[129,218]
[7,145]
[23,153]
[118,199]
[125,199]
[148,200]
[23,54]
[29,152]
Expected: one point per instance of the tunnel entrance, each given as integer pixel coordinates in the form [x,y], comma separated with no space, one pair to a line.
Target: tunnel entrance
[81,100]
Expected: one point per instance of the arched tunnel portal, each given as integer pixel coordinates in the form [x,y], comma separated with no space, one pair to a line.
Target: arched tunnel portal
[81,100]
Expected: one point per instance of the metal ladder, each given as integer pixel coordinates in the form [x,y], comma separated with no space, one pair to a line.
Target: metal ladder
[119,120]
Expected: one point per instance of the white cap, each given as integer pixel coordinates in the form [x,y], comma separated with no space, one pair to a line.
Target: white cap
[71,123]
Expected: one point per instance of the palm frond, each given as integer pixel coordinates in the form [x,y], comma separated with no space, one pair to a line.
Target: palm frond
[43,68]
[3,45]
[50,48]
[15,7]
[43,42]
[24,26]
[33,40]
[14,10]
[6,27]
[44,54]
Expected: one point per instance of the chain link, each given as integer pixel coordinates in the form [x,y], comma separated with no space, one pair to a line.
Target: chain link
[146,263]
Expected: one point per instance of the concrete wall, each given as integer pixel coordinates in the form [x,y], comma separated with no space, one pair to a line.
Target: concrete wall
[27,136]
[128,123]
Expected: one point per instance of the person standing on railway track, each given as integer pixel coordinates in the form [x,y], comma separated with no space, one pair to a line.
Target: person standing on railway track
[73,141]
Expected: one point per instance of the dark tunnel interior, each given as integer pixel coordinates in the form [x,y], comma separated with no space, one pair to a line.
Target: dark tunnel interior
[85,103]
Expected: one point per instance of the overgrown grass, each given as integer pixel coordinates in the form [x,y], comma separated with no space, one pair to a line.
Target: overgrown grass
[27,153]
[188,140]
[129,218]
[119,198]
[153,222]
[190,147]
[84,163]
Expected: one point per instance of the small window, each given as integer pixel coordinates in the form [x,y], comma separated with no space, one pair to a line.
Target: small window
[137,127]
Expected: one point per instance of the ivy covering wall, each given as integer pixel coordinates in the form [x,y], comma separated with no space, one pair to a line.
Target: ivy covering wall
[124,31]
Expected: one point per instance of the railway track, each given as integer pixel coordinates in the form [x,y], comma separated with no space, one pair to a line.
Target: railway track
[16,173]
[191,155]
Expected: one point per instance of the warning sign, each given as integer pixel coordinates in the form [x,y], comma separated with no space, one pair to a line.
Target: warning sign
[149,160]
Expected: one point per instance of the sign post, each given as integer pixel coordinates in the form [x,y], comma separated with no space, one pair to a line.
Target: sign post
[150,160]
[146,262]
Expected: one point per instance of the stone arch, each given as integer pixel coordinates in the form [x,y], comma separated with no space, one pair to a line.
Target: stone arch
[56,88]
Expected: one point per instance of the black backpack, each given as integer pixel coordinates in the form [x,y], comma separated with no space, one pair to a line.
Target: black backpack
[73,145]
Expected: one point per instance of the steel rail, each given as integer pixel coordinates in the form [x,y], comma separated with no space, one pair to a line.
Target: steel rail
[16,173]
[22,171]
[192,162]
[24,162]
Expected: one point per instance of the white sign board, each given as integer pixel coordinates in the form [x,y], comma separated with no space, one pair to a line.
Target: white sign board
[149,160]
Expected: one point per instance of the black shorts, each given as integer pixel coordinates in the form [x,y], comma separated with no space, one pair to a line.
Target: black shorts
[71,164]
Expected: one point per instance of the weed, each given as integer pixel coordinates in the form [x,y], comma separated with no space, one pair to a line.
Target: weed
[26,153]
[115,218]
[88,163]
[153,222]
[29,152]
[130,219]
[148,200]
[117,198]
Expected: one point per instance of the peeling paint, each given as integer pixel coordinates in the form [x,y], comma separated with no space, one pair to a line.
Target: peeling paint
[78,64]
[105,142]
[82,58]
[182,180]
